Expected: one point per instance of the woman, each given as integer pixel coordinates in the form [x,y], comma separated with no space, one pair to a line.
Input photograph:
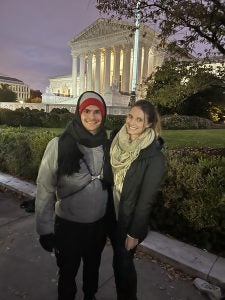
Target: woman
[138,167]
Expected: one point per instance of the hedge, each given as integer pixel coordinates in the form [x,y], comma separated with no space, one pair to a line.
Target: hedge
[60,117]
[21,151]
[185,122]
[191,203]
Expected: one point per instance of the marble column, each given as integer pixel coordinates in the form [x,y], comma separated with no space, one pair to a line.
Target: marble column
[89,71]
[74,76]
[159,59]
[116,71]
[107,70]
[145,63]
[97,70]
[139,77]
[82,73]
[126,70]
[151,61]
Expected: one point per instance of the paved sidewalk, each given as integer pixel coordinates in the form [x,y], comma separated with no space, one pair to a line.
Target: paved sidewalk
[28,272]
[191,260]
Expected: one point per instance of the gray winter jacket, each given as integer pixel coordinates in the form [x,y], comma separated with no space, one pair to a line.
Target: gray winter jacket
[78,198]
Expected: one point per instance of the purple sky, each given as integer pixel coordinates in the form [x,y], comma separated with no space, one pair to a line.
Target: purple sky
[34,36]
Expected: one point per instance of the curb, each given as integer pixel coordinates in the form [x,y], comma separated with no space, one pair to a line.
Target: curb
[189,259]
[19,186]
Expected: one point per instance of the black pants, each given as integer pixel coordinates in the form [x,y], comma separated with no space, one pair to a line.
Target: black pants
[76,241]
[124,269]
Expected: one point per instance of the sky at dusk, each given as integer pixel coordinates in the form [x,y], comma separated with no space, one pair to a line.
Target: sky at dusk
[34,36]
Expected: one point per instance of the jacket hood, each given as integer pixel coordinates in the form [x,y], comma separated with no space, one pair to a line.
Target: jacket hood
[89,98]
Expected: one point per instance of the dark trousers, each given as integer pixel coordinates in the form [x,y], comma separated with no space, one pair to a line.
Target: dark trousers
[76,241]
[123,265]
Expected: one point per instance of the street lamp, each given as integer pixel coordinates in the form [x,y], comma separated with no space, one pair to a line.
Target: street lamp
[135,54]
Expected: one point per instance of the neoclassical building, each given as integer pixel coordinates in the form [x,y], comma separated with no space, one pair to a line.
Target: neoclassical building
[21,89]
[102,60]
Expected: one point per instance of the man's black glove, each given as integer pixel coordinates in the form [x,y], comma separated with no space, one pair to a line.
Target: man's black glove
[47,241]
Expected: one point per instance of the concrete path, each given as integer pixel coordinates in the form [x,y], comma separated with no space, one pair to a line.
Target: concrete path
[28,272]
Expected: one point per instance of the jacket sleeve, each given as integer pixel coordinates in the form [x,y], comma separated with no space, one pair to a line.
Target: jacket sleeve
[46,189]
[152,180]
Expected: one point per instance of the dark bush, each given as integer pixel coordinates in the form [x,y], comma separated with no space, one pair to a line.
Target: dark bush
[114,121]
[35,118]
[30,118]
[185,122]
[59,111]
[21,151]
[191,205]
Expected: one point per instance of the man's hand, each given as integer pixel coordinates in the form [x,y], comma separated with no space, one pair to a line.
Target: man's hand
[47,241]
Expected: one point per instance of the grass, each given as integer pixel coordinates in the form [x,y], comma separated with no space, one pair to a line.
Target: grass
[213,138]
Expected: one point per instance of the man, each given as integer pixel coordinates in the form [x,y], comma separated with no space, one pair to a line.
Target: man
[73,193]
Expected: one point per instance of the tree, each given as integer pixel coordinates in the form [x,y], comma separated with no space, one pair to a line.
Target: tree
[209,103]
[164,87]
[176,82]
[6,95]
[35,100]
[35,96]
[185,22]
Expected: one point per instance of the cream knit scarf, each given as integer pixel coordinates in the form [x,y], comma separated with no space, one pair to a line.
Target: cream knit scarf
[123,152]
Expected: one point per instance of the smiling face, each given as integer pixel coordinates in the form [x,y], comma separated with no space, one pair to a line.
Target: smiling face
[136,122]
[91,118]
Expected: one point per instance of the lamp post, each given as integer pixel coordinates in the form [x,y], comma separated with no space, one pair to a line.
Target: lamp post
[135,54]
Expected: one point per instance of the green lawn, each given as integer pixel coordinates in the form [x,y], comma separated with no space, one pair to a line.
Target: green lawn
[214,138]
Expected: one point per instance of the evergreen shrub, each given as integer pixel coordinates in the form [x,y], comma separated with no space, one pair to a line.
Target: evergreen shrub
[59,111]
[185,122]
[191,204]
[21,151]
[114,121]
[27,117]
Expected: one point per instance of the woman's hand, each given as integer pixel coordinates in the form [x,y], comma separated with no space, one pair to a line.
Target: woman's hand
[130,243]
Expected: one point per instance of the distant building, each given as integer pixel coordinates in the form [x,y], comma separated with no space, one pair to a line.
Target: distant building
[102,60]
[21,89]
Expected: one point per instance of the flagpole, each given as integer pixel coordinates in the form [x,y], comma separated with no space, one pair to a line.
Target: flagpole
[135,54]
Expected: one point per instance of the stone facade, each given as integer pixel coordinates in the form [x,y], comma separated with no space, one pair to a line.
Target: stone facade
[102,60]
[21,89]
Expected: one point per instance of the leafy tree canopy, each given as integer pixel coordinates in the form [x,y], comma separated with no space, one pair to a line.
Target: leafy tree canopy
[35,96]
[6,95]
[175,81]
[185,22]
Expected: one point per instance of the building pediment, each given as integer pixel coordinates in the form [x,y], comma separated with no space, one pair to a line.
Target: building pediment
[104,32]
[102,27]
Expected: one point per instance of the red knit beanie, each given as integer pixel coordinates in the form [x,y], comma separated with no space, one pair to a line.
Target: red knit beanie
[92,98]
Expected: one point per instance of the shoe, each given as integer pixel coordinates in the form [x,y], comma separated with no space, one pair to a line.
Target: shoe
[28,205]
